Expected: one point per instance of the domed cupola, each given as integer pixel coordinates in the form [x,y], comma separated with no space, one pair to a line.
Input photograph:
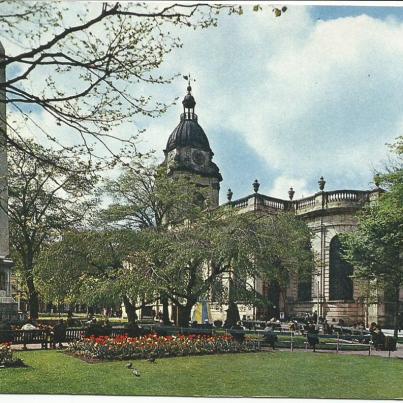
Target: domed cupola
[188,149]
[188,133]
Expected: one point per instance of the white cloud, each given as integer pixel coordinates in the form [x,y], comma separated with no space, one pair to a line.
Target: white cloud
[308,97]
[282,184]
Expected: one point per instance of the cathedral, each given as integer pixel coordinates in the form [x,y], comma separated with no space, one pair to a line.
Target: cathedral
[332,291]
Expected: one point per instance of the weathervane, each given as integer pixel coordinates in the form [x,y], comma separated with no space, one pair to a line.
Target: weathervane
[189,79]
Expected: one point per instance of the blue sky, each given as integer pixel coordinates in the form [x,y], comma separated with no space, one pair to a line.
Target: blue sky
[333,12]
[317,91]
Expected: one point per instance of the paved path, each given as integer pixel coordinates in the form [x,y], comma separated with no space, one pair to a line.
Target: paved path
[20,347]
[393,354]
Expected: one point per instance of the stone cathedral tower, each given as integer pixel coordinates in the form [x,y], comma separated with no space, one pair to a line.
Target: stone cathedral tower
[8,308]
[188,152]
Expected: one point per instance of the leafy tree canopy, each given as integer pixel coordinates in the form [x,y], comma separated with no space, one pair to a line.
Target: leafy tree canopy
[375,249]
[86,67]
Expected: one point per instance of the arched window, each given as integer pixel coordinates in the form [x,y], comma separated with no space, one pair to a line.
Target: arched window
[3,285]
[340,282]
[305,289]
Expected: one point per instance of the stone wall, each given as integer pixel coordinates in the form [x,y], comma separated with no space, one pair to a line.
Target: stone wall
[328,214]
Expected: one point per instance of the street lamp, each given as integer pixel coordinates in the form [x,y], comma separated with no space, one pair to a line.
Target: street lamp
[318,306]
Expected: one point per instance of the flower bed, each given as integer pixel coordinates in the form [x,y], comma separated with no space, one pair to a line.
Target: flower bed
[123,347]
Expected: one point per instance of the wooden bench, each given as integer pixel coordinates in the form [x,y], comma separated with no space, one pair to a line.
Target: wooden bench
[37,336]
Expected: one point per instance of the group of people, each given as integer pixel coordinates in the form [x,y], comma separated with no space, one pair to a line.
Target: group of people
[237,331]
[53,335]
[97,328]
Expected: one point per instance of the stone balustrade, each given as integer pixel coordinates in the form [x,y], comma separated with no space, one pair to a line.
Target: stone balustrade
[240,203]
[318,201]
[274,203]
[305,203]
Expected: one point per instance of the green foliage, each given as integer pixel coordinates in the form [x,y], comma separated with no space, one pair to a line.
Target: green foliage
[196,257]
[156,239]
[146,196]
[44,200]
[375,248]
[95,267]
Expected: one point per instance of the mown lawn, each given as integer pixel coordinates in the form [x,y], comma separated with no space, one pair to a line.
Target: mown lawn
[284,374]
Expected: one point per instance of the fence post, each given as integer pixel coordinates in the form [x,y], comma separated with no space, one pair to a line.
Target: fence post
[291,345]
[337,346]
[369,349]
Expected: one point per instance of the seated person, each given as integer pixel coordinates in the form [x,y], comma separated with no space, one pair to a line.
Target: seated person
[28,326]
[238,332]
[378,338]
[59,334]
[312,336]
[106,328]
[269,336]
[326,327]
[134,330]
[70,320]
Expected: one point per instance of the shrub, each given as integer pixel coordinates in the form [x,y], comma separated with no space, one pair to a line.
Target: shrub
[123,347]
[6,354]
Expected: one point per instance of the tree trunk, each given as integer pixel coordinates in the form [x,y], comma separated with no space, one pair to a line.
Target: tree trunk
[165,311]
[33,299]
[232,314]
[232,311]
[396,313]
[184,315]
[130,310]
[273,297]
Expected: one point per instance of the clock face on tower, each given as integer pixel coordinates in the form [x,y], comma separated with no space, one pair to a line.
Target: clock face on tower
[198,157]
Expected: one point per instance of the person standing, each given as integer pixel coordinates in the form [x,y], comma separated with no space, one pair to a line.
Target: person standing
[59,334]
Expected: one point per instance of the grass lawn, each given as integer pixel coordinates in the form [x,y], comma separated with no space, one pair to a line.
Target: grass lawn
[277,374]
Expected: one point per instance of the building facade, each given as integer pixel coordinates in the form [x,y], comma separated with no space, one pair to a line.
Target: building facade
[8,307]
[188,153]
[332,291]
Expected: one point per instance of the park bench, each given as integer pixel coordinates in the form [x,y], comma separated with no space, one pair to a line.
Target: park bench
[198,331]
[37,336]
[25,337]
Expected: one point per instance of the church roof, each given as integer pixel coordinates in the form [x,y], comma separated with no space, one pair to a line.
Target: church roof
[188,133]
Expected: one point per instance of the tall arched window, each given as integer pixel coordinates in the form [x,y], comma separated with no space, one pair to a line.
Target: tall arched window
[3,285]
[305,289]
[340,282]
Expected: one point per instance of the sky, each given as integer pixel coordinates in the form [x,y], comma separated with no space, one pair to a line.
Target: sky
[286,100]
[315,92]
